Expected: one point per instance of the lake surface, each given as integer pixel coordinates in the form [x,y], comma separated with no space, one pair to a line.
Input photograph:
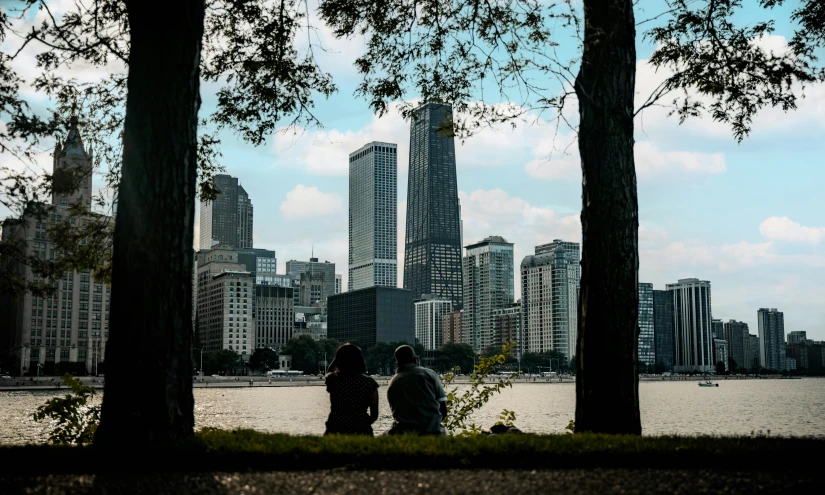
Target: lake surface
[736,407]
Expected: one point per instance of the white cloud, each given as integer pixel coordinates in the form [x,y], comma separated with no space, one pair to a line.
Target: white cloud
[786,230]
[306,202]
[653,163]
[327,152]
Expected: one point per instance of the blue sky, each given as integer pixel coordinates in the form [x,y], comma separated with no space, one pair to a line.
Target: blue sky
[749,217]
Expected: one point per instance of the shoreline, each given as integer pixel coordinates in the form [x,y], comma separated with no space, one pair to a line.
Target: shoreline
[54,383]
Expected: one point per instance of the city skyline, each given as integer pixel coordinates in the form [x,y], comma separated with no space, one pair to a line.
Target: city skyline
[760,250]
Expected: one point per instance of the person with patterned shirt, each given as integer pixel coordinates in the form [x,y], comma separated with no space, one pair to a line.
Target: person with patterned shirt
[351,393]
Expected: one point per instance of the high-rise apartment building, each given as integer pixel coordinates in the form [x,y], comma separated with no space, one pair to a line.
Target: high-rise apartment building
[429,322]
[736,332]
[647,334]
[325,270]
[228,219]
[797,337]
[549,299]
[720,353]
[488,285]
[506,324]
[226,297]
[432,249]
[717,329]
[452,327]
[339,283]
[663,319]
[772,354]
[693,336]
[373,216]
[752,352]
[65,331]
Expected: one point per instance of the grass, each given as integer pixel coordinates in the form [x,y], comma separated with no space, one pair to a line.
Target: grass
[245,450]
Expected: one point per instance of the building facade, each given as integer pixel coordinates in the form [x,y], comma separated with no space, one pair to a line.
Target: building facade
[228,219]
[809,355]
[720,353]
[549,301]
[339,283]
[68,329]
[693,336]
[374,314]
[226,295]
[772,355]
[663,319]
[274,316]
[432,248]
[258,262]
[452,327]
[797,337]
[506,323]
[752,352]
[429,322]
[325,269]
[736,333]
[647,335]
[373,216]
[488,285]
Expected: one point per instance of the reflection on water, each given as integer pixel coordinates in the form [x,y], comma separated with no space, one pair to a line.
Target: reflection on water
[785,407]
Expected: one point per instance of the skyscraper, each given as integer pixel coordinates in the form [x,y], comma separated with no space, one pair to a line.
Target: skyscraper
[68,329]
[735,333]
[373,216]
[244,219]
[647,340]
[663,319]
[325,270]
[549,299]
[693,337]
[771,339]
[488,285]
[432,250]
[228,219]
[429,322]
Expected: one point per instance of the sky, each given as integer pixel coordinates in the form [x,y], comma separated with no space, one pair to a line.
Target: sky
[748,217]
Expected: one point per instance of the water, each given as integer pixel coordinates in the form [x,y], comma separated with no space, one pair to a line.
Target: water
[736,407]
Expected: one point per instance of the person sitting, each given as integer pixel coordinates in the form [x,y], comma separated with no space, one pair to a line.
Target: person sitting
[417,399]
[351,393]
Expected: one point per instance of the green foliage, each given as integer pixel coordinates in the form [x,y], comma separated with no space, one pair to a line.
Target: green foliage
[506,418]
[719,69]
[456,356]
[571,426]
[307,354]
[224,361]
[264,358]
[534,361]
[461,405]
[380,358]
[73,420]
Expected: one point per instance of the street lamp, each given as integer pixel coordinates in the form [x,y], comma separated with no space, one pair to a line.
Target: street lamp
[200,349]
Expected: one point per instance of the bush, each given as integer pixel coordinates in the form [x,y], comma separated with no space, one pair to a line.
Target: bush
[73,420]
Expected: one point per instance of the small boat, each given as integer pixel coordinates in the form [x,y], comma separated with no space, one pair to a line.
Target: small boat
[708,383]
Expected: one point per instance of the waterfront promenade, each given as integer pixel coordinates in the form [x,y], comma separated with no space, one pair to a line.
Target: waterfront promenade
[56,383]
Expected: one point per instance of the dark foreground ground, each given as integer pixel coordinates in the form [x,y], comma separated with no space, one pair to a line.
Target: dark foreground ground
[442,482]
[249,462]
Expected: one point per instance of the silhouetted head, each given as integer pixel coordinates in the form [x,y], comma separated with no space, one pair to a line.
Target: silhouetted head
[404,355]
[348,361]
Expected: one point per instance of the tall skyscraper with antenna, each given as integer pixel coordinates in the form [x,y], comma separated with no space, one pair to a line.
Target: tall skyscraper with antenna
[432,249]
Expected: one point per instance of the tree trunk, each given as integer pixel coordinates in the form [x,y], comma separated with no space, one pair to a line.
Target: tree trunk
[148,396]
[607,382]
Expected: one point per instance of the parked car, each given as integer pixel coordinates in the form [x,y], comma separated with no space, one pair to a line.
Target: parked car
[5,377]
